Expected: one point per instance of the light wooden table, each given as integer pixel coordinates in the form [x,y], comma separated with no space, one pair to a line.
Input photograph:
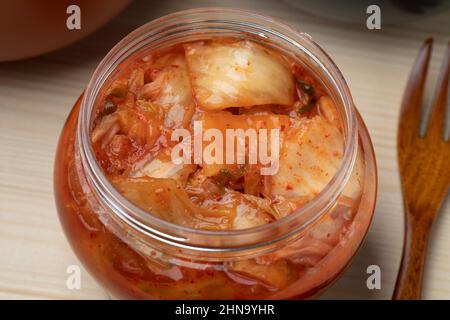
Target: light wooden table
[36,96]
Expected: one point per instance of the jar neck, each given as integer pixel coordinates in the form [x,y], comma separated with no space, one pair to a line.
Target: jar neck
[200,24]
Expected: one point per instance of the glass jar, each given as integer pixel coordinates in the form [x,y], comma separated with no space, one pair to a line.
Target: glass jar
[134,254]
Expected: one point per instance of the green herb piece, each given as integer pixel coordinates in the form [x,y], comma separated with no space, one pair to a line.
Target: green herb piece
[307,107]
[118,88]
[118,92]
[233,174]
[305,87]
[109,108]
[225,172]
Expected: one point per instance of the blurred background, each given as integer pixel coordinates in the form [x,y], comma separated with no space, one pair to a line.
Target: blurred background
[37,93]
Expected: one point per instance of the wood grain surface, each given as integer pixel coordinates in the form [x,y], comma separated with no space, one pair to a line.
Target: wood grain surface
[37,94]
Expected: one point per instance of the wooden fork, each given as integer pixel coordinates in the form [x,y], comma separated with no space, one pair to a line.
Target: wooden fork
[424,164]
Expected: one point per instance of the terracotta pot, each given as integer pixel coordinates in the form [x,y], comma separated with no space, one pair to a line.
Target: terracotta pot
[29,28]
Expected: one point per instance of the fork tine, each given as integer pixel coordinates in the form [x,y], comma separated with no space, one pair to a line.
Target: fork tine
[411,109]
[437,120]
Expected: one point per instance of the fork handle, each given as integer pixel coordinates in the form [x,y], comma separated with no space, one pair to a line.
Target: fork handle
[409,279]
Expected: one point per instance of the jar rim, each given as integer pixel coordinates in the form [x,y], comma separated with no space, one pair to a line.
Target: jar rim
[209,240]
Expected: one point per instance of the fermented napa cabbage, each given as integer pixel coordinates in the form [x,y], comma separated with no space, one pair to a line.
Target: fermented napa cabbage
[224,120]
[237,74]
[162,167]
[309,158]
[171,90]
[167,199]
